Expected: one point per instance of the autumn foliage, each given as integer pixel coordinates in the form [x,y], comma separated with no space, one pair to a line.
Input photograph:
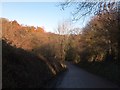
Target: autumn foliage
[28,57]
[30,52]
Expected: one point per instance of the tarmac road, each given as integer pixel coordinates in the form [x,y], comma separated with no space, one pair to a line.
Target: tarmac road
[75,77]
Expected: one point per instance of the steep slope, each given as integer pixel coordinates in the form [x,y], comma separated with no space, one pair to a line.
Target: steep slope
[22,68]
[23,61]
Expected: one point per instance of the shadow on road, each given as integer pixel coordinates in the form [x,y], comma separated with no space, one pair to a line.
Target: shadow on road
[75,77]
[57,80]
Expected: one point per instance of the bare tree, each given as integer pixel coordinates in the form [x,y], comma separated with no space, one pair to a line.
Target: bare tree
[88,7]
[64,29]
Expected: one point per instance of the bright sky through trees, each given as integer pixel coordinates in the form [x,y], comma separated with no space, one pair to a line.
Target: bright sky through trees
[43,14]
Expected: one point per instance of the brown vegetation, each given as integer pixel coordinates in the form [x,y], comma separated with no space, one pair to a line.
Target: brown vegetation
[31,55]
[28,56]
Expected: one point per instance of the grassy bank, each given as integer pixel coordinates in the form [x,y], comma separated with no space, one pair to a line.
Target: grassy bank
[23,69]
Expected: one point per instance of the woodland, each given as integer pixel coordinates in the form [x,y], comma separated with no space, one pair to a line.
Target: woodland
[31,56]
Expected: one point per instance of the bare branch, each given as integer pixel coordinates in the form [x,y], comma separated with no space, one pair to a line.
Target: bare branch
[88,8]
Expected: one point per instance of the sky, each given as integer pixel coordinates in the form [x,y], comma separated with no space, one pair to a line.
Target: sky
[43,14]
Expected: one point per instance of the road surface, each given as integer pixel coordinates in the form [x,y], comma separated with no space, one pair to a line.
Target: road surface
[76,77]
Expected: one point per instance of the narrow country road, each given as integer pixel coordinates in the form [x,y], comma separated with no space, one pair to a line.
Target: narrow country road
[76,77]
